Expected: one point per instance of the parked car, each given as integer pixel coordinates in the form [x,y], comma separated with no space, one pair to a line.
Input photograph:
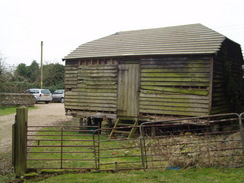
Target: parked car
[58,96]
[41,95]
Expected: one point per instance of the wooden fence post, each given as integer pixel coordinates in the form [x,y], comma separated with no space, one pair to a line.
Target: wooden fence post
[19,141]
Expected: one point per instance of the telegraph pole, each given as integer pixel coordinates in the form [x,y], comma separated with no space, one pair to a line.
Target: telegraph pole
[41,64]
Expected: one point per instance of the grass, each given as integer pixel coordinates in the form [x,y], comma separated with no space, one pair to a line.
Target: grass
[11,110]
[228,175]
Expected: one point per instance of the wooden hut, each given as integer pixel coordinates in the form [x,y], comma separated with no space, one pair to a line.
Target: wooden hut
[187,70]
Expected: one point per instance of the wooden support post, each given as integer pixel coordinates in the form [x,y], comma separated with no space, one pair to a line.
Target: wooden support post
[19,141]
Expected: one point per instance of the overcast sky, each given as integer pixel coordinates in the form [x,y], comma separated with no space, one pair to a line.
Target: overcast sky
[63,25]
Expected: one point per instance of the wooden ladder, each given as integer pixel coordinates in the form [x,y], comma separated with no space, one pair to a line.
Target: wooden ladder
[121,122]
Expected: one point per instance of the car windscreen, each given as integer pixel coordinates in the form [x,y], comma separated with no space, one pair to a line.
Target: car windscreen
[45,91]
[58,92]
[33,91]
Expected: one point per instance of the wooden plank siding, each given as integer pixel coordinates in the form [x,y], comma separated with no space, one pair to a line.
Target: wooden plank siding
[183,85]
[227,76]
[71,71]
[96,88]
[175,86]
[128,89]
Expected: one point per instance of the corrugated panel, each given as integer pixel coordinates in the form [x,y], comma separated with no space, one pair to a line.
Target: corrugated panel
[186,39]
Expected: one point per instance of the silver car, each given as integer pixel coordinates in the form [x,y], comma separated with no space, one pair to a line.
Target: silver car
[58,96]
[41,95]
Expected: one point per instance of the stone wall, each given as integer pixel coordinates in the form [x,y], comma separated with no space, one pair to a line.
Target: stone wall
[16,99]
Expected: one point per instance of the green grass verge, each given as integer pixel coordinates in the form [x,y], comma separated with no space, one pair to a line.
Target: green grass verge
[7,178]
[224,175]
[11,110]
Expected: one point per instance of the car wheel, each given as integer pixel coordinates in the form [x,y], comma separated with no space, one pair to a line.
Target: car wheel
[46,102]
[62,100]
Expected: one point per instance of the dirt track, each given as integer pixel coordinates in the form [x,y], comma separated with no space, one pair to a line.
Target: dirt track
[46,114]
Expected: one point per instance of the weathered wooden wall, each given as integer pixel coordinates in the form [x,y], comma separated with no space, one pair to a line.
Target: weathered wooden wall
[175,86]
[183,85]
[227,78]
[94,86]
[71,75]
[128,90]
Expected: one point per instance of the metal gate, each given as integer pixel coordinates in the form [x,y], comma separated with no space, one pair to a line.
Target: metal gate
[207,141]
[61,147]
[210,141]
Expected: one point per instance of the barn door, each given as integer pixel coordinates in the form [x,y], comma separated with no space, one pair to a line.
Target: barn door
[128,90]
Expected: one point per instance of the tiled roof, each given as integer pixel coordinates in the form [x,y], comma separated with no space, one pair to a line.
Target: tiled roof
[185,39]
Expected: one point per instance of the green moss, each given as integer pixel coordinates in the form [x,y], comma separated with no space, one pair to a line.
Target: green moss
[44,171]
[177,90]
[176,75]
[30,175]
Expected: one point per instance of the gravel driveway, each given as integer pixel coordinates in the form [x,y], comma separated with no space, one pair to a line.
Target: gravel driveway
[46,114]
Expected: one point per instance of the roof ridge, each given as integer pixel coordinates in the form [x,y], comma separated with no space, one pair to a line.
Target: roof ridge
[159,28]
